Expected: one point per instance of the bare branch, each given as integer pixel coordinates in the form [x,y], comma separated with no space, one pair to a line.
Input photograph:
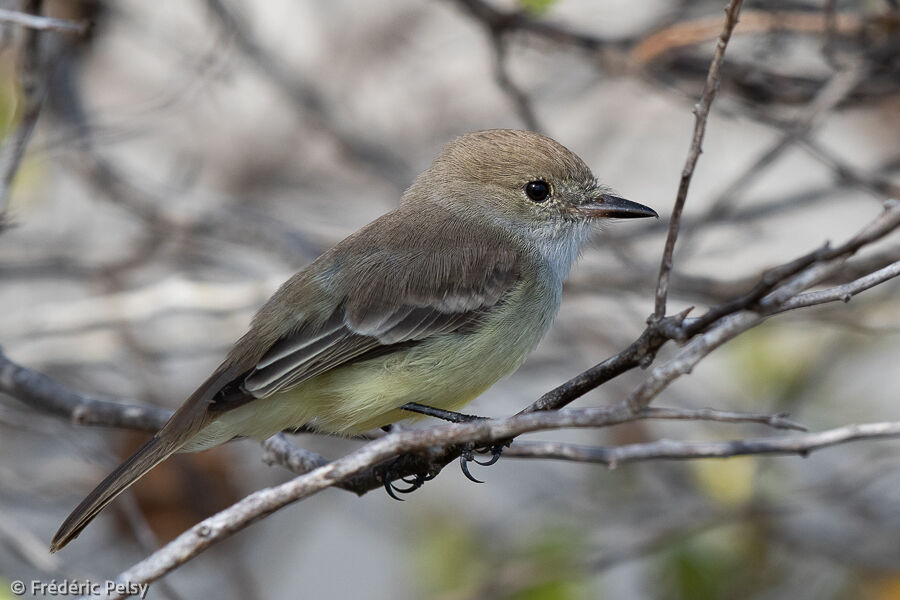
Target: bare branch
[264,502]
[278,450]
[701,112]
[801,444]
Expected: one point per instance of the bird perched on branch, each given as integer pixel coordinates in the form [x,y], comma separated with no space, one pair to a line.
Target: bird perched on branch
[431,303]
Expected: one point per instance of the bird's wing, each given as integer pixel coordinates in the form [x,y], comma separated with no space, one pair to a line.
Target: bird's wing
[381,309]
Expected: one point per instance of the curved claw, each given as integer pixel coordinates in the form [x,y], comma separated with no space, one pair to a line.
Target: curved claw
[389,488]
[486,463]
[464,459]
[411,486]
[413,482]
[496,451]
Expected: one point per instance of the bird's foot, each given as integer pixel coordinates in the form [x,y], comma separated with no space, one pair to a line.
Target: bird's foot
[413,482]
[468,455]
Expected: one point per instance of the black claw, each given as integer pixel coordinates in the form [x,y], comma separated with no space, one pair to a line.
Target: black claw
[413,482]
[467,456]
[496,451]
[389,488]
[464,459]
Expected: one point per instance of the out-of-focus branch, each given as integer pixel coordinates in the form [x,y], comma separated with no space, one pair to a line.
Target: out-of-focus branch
[382,160]
[39,23]
[832,93]
[519,98]
[696,31]
[31,80]
[701,112]
[42,393]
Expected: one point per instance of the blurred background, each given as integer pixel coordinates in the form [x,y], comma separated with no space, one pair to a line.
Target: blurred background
[190,156]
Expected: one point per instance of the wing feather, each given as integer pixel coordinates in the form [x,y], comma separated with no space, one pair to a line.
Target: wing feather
[379,305]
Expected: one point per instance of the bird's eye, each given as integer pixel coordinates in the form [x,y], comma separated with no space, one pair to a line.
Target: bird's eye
[537,191]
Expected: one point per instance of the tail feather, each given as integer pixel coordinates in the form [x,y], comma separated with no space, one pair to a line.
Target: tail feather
[148,456]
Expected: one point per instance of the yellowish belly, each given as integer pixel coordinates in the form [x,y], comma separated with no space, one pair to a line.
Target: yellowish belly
[446,372]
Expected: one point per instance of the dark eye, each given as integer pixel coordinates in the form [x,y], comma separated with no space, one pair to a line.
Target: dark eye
[537,191]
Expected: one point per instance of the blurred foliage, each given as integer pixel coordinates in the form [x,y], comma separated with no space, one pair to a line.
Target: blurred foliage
[5,593]
[771,360]
[730,562]
[10,95]
[11,100]
[536,8]
[729,482]
[461,560]
[449,555]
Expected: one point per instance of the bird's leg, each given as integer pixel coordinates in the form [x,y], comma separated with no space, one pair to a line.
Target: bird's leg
[469,449]
[446,415]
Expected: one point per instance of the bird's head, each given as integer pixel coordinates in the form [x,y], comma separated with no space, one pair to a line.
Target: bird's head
[520,180]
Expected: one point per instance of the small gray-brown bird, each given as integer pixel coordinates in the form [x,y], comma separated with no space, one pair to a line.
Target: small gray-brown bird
[436,300]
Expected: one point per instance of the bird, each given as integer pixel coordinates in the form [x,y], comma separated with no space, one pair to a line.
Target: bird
[433,303]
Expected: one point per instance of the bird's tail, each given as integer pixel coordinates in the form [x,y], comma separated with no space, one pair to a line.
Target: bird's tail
[156,450]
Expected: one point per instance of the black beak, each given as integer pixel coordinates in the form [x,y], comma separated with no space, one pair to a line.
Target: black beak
[613,207]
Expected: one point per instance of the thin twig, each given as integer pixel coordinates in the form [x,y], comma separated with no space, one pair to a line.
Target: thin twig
[701,113]
[776,421]
[844,292]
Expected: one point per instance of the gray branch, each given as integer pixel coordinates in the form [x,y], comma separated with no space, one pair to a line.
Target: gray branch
[801,444]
